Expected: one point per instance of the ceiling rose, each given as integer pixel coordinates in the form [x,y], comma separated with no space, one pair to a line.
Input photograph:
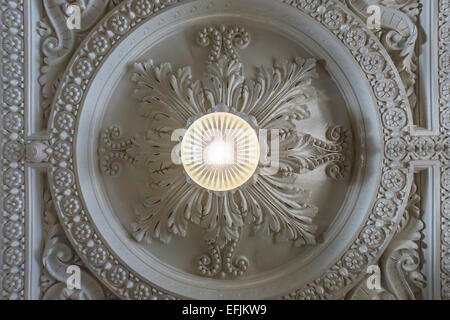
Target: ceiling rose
[220,151]
[182,232]
[97,101]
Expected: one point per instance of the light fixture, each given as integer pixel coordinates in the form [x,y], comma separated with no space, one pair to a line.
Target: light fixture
[220,151]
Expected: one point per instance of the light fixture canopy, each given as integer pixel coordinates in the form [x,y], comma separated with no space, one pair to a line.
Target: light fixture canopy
[220,151]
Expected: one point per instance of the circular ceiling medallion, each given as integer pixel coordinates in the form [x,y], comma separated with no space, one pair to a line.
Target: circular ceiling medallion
[220,151]
[314,201]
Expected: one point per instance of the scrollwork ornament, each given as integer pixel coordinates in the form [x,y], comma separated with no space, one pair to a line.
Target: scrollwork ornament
[401,262]
[58,256]
[399,34]
[162,93]
[59,42]
[327,13]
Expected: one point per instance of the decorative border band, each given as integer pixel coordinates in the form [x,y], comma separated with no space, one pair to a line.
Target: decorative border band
[12,223]
[444,108]
[389,98]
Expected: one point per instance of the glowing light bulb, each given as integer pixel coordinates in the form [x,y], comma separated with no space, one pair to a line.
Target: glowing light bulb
[220,151]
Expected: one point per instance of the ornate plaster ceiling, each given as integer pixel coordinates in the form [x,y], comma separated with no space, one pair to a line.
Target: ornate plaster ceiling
[347,178]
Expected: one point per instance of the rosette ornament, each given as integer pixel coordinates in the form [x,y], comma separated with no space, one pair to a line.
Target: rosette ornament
[226,179]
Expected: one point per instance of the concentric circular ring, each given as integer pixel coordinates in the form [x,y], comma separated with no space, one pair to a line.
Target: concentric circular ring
[144,282]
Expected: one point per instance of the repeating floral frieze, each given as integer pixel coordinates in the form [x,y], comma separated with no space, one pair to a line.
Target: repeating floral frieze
[402,261]
[58,255]
[394,111]
[398,33]
[396,175]
[97,255]
[59,42]
[444,108]
[12,223]
[400,265]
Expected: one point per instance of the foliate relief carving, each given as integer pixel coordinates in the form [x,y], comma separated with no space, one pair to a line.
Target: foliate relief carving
[401,262]
[444,94]
[272,204]
[58,255]
[12,224]
[97,255]
[59,42]
[301,153]
[362,292]
[394,116]
[436,147]
[400,265]
[223,39]
[398,33]
[395,177]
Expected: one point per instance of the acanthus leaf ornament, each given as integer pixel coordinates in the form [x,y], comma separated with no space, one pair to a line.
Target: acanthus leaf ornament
[402,262]
[273,204]
[58,255]
[59,42]
[399,34]
[396,114]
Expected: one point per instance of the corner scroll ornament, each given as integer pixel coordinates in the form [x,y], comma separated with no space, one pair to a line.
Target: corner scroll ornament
[398,33]
[272,204]
[58,255]
[402,261]
[59,42]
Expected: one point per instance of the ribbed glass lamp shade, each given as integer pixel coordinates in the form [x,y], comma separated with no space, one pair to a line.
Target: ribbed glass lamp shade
[220,151]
